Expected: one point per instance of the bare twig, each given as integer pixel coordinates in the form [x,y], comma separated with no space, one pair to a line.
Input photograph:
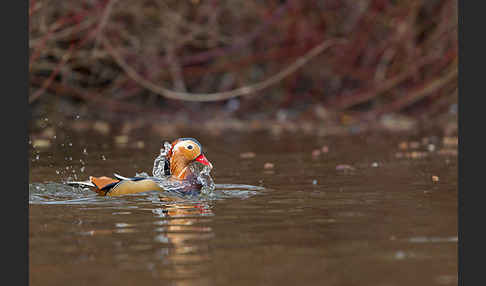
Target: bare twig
[64,33]
[205,97]
[413,97]
[96,100]
[360,97]
[102,24]
[419,94]
[51,77]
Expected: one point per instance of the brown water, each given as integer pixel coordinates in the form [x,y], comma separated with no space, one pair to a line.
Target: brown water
[384,223]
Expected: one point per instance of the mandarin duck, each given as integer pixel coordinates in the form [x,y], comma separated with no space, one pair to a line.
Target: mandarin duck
[181,167]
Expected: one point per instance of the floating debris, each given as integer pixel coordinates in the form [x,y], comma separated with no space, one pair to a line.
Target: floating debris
[409,145]
[101,127]
[41,143]
[450,141]
[344,167]
[121,139]
[400,255]
[435,178]
[416,154]
[411,155]
[268,165]
[403,146]
[314,182]
[395,122]
[447,152]
[431,147]
[414,145]
[247,155]
[140,144]
[374,164]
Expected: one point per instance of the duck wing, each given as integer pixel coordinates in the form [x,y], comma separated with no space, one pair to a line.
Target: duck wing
[119,185]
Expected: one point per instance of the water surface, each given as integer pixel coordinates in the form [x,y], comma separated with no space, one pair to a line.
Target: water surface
[309,220]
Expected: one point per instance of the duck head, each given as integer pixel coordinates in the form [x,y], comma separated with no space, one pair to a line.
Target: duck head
[183,152]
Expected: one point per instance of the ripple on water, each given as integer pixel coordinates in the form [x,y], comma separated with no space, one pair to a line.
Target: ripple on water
[57,193]
[45,193]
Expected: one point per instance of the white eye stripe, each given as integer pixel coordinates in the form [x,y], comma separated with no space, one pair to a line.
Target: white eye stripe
[178,144]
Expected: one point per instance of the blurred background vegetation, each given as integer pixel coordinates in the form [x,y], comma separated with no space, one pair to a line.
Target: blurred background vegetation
[315,66]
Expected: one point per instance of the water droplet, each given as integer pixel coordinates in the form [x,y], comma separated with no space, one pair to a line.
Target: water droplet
[122,224]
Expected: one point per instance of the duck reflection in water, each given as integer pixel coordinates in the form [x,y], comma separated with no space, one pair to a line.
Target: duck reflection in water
[183,235]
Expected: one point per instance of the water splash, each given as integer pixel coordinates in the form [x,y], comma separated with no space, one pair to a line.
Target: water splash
[161,163]
[161,173]
[48,192]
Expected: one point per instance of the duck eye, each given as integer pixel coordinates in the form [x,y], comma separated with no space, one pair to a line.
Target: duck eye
[189,147]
